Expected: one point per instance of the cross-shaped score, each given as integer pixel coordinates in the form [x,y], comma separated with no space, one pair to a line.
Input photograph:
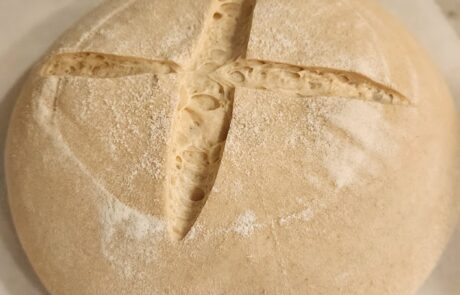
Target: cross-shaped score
[202,118]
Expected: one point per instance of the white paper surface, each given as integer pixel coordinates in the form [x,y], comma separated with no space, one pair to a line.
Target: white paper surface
[27,29]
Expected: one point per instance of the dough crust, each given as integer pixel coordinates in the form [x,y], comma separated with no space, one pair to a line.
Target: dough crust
[316,192]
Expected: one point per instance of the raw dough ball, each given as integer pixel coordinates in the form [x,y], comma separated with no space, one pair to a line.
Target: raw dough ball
[314,195]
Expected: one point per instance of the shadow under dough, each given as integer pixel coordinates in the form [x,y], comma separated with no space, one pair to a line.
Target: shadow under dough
[16,273]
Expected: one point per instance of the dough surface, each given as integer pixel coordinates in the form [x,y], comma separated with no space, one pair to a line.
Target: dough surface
[314,195]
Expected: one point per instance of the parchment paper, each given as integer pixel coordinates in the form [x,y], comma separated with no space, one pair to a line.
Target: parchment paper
[28,27]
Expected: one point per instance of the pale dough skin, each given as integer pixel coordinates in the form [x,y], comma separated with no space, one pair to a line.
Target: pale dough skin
[378,181]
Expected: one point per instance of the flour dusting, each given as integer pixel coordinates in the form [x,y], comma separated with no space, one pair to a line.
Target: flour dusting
[128,237]
[245,224]
[304,215]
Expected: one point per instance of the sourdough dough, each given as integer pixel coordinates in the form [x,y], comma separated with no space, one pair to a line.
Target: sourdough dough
[323,195]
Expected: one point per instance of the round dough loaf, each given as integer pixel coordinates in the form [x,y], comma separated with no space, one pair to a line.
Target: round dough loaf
[314,195]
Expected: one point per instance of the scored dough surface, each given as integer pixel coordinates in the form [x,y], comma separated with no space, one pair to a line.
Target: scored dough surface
[313,195]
